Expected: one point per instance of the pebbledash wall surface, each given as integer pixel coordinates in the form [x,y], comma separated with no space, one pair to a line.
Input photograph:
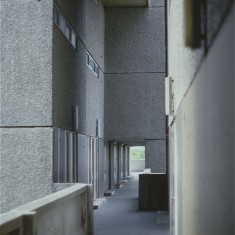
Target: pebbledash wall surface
[44,78]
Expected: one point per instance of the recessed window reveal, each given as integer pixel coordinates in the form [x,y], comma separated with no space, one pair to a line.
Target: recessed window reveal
[64,26]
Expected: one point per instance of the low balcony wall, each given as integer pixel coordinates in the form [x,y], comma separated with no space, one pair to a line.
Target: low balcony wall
[69,211]
[137,165]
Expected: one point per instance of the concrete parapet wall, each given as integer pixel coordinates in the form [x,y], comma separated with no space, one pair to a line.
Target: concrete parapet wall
[137,165]
[66,212]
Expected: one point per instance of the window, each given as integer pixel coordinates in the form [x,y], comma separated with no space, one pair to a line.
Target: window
[92,65]
[64,26]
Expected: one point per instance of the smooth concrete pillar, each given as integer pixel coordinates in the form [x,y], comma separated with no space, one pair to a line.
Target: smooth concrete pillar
[155,155]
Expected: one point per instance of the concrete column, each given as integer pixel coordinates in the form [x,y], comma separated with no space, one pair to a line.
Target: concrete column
[111,166]
[82,159]
[128,160]
[124,162]
[101,168]
[155,155]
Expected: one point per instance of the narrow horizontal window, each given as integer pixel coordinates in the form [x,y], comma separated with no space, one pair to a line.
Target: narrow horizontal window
[93,65]
[64,26]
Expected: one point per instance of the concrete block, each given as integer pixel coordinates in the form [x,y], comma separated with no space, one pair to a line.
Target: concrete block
[155,155]
[26,165]
[26,63]
[153,192]
[134,107]
[134,40]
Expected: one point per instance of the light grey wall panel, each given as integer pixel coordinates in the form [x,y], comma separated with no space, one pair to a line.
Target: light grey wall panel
[26,63]
[207,118]
[183,61]
[134,40]
[26,165]
[155,155]
[134,107]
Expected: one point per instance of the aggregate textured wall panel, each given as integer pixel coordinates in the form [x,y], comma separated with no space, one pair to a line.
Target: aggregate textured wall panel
[134,40]
[94,102]
[207,119]
[134,107]
[95,28]
[75,13]
[69,82]
[155,155]
[26,165]
[26,63]
[73,81]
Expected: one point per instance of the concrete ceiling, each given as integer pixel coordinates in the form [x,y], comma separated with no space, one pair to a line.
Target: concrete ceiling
[126,3]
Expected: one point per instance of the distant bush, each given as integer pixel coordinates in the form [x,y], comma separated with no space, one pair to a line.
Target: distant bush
[137,153]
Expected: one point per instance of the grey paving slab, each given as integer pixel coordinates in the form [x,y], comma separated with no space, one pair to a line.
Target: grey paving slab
[120,215]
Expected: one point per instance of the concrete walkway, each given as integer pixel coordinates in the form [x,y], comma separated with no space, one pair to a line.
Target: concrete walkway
[119,215]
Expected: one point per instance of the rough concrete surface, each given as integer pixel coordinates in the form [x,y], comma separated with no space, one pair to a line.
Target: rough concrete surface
[155,155]
[26,165]
[134,40]
[134,107]
[26,63]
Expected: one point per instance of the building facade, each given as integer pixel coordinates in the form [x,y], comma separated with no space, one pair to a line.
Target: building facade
[80,83]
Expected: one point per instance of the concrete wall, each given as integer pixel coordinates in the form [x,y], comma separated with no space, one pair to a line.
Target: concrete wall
[139,36]
[204,126]
[134,73]
[134,106]
[73,81]
[137,165]
[26,165]
[155,155]
[26,101]
[47,215]
[26,63]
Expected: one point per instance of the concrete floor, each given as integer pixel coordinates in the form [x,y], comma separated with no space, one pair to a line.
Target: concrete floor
[119,215]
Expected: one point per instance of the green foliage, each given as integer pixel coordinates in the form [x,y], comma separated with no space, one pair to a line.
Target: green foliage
[137,153]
